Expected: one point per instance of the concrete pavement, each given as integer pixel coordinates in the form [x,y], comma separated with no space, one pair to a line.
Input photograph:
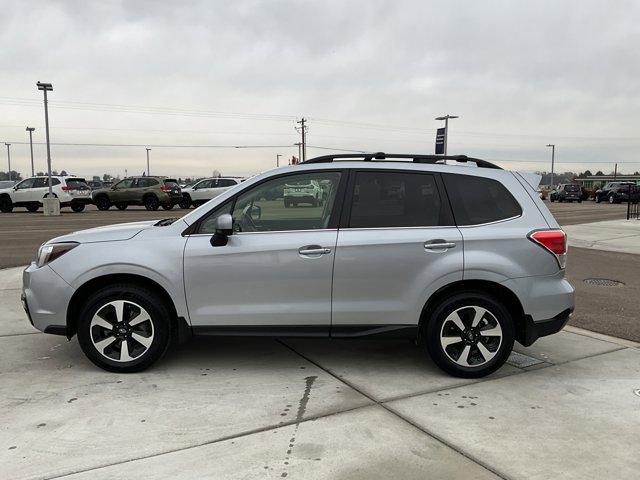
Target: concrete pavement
[611,235]
[565,408]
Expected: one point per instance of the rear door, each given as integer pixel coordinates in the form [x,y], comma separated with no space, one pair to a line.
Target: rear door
[397,244]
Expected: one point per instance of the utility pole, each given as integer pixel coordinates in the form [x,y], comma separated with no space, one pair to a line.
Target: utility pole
[148,149]
[446,128]
[615,172]
[9,158]
[303,131]
[51,202]
[30,130]
[553,158]
[278,160]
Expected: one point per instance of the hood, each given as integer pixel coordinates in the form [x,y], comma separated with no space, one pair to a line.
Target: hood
[110,233]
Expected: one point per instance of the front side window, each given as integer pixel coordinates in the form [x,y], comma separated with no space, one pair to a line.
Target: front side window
[28,183]
[478,200]
[395,199]
[126,183]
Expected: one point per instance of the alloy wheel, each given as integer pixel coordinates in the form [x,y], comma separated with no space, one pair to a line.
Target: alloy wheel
[471,336]
[121,331]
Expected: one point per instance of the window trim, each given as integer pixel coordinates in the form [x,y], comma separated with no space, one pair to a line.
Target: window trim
[194,228]
[446,209]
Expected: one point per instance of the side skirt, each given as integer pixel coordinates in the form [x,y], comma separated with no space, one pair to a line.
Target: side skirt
[340,331]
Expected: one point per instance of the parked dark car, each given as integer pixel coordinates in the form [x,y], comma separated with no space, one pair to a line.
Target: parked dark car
[613,192]
[95,184]
[566,192]
[152,192]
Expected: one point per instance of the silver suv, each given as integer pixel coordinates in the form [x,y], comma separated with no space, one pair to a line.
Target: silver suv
[464,260]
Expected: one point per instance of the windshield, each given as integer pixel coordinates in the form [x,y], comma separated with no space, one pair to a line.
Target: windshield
[77,183]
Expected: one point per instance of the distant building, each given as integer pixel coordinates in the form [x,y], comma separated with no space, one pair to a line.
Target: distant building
[598,180]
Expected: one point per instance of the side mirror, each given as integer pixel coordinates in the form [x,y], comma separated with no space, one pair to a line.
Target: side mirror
[224,228]
[256,212]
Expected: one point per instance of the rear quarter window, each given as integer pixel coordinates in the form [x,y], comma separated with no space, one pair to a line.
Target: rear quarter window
[478,200]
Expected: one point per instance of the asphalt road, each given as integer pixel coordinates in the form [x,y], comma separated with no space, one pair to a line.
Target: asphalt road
[609,310]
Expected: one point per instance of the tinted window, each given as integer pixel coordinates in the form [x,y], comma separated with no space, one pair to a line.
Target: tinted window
[126,183]
[41,182]
[225,182]
[54,181]
[77,183]
[477,200]
[172,185]
[389,199]
[147,182]
[571,188]
[28,183]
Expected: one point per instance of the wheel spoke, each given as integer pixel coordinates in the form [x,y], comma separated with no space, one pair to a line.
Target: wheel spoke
[485,352]
[492,332]
[463,359]
[101,322]
[124,351]
[119,306]
[446,341]
[102,344]
[146,341]
[142,317]
[455,318]
[478,316]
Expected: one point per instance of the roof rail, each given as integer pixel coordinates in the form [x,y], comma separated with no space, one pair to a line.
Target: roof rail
[415,158]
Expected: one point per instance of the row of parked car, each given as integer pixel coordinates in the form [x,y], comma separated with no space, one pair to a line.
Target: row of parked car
[612,192]
[75,193]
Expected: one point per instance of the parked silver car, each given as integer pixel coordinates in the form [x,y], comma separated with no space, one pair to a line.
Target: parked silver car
[464,260]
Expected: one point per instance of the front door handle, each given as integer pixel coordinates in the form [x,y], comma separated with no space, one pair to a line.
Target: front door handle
[438,245]
[315,250]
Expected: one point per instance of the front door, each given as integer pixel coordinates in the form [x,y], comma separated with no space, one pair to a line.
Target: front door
[23,190]
[276,268]
[398,244]
[122,190]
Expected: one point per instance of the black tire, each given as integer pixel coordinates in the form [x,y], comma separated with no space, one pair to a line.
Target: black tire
[77,207]
[32,207]
[121,206]
[464,302]
[6,205]
[168,206]
[103,203]
[580,201]
[551,199]
[185,203]
[612,199]
[287,204]
[597,199]
[151,203]
[160,319]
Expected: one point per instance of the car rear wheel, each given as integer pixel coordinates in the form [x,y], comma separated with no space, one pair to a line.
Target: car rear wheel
[121,206]
[6,205]
[151,203]
[124,328]
[469,335]
[33,207]
[77,207]
[612,199]
[166,206]
[102,202]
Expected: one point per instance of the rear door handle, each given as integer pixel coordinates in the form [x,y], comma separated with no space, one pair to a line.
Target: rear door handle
[313,250]
[438,245]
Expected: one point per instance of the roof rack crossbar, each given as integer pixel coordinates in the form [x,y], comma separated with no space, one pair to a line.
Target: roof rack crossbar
[415,158]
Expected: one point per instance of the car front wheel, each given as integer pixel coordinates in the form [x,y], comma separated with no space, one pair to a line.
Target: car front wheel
[151,203]
[167,206]
[124,328]
[185,203]
[469,335]
[102,202]
[6,205]
[77,207]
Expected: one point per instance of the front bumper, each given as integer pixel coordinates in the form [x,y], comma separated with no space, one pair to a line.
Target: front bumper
[532,331]
[45,297]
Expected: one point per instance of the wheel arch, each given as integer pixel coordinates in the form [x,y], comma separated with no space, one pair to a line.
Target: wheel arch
[500,292]
[179,325]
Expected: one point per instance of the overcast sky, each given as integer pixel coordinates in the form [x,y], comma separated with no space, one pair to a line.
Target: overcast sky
[368,75]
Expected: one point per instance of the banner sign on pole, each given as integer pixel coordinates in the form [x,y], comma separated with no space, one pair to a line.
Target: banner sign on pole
[440,141]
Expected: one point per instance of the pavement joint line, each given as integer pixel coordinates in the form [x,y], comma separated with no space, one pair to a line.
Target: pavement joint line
[402,417]
[19,334]
[602,336]
[224,438]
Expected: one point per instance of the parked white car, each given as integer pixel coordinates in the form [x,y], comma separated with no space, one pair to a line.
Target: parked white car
[303,192]
[71,191]
[206,189]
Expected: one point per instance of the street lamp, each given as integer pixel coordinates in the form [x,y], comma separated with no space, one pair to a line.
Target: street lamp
[51,203]
[147,149]
[30,130]
[553,155]
[9,158]
[446,128]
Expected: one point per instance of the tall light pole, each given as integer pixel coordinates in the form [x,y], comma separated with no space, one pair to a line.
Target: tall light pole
[30,130]
[148,150]
[9,158]
[47,87]
[553,158]
[278,160]
[446,128]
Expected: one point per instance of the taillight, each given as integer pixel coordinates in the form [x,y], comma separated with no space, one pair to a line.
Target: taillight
[164,188]
[66,188]
[554,241]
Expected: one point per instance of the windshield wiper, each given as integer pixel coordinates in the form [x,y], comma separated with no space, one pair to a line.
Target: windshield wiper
[164,222]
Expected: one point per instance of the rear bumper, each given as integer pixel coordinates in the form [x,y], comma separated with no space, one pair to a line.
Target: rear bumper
[532,331]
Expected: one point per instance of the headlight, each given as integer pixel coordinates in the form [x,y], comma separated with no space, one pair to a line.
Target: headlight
[50,251]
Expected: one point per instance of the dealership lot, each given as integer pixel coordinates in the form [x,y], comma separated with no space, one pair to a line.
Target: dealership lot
[565,407]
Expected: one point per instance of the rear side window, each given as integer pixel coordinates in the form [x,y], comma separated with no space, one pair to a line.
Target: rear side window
[395,199]
[477,200]
[225,182]
[147,182]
